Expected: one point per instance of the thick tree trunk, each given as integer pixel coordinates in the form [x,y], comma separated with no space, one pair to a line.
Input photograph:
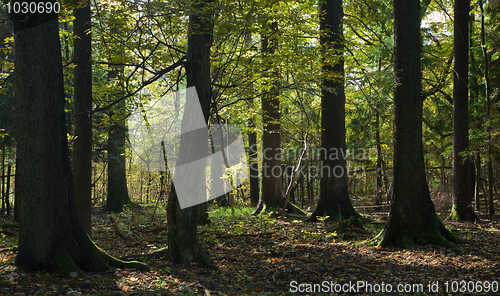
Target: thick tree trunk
[183,245]
[51,236]
[412,218]
[117,175]
[334,196]
[463,184]
[82,146]
[272,195]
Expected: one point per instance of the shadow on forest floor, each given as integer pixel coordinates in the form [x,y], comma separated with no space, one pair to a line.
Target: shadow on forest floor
[272,256]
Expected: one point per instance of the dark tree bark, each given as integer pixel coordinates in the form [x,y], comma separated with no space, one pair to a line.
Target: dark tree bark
[183,245]
[334,196]
[2,189]
[413,218]
[7,190]
[463,183]
[51,236]
[487,88]
[117,175]
[474,95]
[379,189]
[271,186]
[82,146]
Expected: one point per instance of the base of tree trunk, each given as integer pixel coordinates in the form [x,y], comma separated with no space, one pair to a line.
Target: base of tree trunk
[290,209]
[118,207]
[462,213]
[335,212]
[435,234]
[191,254]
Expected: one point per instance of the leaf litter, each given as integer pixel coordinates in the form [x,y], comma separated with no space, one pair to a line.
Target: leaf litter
[262,255]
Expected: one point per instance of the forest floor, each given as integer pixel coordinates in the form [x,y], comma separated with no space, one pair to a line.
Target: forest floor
[267,255]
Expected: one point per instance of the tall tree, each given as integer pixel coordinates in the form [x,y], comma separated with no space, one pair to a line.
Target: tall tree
[334,196]
[463,182]
[271,186]
[413,218]
[487,88]
[183,245]
[51,236]
[253,163]
[118,195]
[82,146]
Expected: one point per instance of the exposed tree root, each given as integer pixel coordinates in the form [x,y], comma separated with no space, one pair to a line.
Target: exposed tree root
[436,234]
[101,261]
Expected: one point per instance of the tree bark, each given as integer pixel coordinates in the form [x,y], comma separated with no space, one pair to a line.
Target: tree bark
[379,189]
[463,184]
[334,195]
[51,236]
[117,175]
[254,164]
[7,190]
[487,87]
[82,146]
[413,218]
[272,195]
[183,245]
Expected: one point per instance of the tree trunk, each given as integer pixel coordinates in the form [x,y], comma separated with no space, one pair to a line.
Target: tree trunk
[254,165]
[474,96]
[82,146]
[117,176]
[272,195]
[379,189]
[2,189]
[51,236]
[7,190]
[487,87]
[334,195]
[477,189]
[413,218]
[183,245]
[463,193]
[118,195]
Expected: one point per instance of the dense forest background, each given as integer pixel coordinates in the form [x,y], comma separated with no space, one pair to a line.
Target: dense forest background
[401,98]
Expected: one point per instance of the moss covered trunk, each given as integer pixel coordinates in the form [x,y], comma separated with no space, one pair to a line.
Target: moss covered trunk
[51,236]
[412,218]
